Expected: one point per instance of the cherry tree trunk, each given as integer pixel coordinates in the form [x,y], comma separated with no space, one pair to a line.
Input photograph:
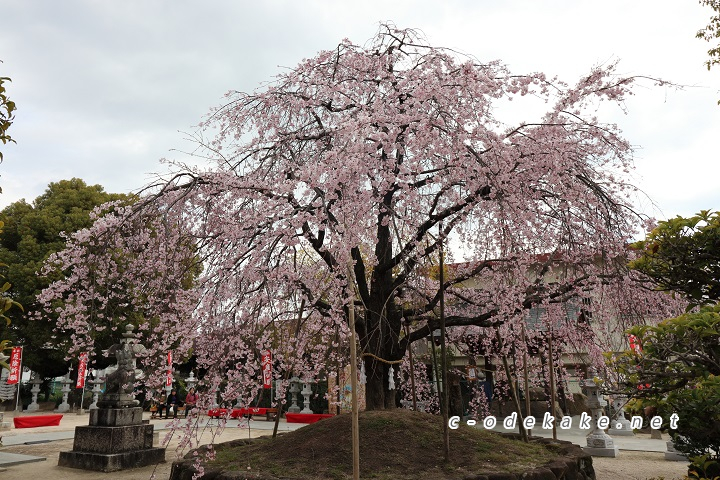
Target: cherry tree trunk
[380,344]
[381,336]
[377,394]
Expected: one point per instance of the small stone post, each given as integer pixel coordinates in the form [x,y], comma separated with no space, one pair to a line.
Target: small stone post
[672,454]
[215,392]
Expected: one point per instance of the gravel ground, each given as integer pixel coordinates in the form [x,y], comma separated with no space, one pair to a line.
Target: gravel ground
[638,466]
[628,466]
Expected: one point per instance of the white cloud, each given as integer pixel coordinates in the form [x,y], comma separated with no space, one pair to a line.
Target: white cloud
[103,88]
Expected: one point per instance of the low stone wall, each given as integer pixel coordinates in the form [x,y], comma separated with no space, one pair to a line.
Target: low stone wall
[572,464]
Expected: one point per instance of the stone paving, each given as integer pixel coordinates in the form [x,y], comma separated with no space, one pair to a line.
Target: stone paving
[66,431]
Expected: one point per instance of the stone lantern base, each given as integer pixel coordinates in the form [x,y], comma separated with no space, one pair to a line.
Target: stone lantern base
[116,439]
[612,452]
[624,430]
[672,454]
[601,445]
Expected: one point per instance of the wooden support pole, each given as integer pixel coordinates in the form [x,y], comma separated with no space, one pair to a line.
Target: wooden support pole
[443,352]
[353,381]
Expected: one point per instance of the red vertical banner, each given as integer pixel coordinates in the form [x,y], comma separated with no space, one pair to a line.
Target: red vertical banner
[168,379]
[15,366]
[266,364]
[82,370]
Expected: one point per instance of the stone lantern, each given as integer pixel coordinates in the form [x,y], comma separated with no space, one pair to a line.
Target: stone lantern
[97,382]
[599,443]
[620,425]
[35,390]
[65,406]
[116,438]
[306,393]
[191,381]
[294,390]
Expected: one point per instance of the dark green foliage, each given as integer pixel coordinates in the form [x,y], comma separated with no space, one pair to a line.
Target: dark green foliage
[704,468]
[31,234]
[7,114]
[683,255]
[712,32]
[697,434]
[678,370]
[678,367]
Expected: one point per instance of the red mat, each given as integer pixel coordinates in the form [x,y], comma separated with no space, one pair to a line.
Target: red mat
[37,421]
[237,412]
[306,417]
[217,412]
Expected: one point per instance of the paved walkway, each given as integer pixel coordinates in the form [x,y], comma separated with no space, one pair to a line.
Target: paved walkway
[66,431]
[640,442]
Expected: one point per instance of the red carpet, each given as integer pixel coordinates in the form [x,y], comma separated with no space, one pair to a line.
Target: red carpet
[37,421]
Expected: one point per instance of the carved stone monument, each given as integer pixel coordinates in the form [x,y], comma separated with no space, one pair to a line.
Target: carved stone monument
[116,438]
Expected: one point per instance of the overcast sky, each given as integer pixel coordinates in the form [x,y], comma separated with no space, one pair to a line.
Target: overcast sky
[105,88]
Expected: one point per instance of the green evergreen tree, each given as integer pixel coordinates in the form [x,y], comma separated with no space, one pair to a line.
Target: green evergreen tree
[32,233]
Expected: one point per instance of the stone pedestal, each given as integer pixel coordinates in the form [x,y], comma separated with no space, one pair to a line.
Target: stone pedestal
[116,439]
[601,445]
[672,454]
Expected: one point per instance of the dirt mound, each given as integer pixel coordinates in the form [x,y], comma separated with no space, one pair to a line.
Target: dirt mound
[394,444]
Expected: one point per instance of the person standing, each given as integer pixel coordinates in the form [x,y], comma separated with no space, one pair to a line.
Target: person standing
[190,401]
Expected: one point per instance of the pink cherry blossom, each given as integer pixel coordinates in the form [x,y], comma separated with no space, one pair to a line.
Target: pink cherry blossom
[368,157]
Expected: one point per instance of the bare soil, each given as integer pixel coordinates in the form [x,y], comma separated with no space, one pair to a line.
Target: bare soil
[398,444]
